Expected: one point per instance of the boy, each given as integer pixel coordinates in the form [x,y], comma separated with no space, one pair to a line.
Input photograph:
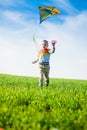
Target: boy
[43,59]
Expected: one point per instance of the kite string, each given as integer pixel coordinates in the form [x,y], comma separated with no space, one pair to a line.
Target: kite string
[35,43]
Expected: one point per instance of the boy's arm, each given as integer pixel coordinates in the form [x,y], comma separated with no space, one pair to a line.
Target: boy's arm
[53,49]
[35,61]
[53,42]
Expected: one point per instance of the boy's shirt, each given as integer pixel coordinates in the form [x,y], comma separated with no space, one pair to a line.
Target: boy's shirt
[44,55]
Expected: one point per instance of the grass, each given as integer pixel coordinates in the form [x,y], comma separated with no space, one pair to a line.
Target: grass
[26,106]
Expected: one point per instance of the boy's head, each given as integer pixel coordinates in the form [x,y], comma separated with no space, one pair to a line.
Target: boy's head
[44,43]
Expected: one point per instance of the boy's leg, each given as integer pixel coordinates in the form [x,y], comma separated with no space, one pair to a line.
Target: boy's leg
[41,80]
[40,75]
[46,74]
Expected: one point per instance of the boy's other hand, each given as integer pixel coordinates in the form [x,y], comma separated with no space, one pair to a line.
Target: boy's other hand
[53,42]
[33,62]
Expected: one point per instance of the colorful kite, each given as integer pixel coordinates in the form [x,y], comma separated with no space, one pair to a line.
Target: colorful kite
[46,11]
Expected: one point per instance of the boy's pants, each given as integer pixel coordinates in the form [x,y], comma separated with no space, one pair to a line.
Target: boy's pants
[44,72]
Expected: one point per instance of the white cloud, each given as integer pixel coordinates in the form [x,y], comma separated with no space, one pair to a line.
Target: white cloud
[66,6]
[12,3]
[13,16]
[6,2]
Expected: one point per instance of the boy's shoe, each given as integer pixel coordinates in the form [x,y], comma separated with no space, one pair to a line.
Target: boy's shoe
[47,84]
[40,84]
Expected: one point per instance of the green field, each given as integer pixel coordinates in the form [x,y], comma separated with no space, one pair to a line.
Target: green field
[26,106]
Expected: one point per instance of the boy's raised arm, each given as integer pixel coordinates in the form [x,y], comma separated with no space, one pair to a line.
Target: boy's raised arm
[53,42]
[53,49]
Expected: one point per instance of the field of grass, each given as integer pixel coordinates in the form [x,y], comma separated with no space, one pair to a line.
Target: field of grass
[26,106]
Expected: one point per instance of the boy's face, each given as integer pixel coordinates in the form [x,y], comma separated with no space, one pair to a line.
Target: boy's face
[44,44]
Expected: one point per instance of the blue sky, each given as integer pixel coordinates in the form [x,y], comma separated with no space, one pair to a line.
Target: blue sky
[19,20]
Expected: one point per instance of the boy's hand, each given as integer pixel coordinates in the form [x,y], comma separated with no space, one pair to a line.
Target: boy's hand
[32,62]
[53,42]
[35,61]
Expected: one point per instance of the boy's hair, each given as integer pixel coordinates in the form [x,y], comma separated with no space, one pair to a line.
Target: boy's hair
[45,41]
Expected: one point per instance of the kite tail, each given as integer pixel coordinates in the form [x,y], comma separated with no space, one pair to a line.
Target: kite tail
[35,43]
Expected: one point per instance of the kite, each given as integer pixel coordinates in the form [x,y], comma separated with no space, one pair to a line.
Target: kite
[46,11]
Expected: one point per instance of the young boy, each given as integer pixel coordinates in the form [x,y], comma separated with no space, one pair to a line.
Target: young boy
[44,59]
